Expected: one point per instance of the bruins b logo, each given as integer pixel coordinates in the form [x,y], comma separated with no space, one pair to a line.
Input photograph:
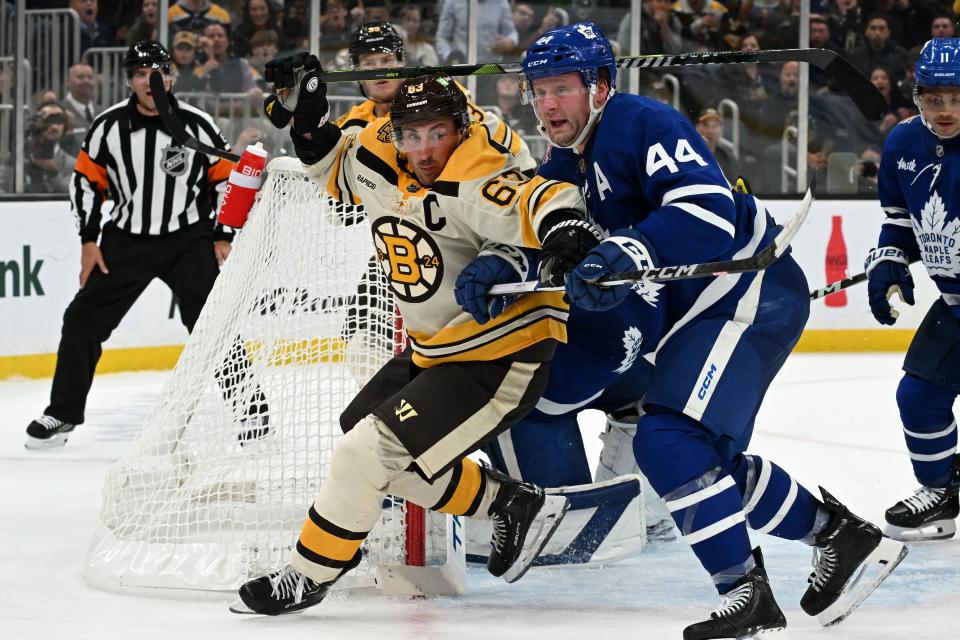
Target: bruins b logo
[409,257]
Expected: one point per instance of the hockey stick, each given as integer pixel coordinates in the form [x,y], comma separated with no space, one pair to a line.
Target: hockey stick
[841,72]
[757,262]
[175,128]
[839,285]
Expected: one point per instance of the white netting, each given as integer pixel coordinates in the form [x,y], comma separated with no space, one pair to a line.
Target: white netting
[217,485]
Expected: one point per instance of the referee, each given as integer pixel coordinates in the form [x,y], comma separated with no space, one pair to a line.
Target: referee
[162,225]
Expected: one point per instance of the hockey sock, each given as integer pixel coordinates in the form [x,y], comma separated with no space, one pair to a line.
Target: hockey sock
[468,491]
[773,501]
[677,456]
[929,428]
[324,549]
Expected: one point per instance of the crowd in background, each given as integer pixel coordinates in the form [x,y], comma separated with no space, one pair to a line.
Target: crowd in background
[220,49]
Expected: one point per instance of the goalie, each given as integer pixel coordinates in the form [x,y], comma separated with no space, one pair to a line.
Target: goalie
[438,191]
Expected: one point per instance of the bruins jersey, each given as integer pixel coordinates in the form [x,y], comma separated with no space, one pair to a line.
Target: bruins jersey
[424,236]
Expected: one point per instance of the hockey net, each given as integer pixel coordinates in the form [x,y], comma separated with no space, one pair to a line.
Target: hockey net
[217,485]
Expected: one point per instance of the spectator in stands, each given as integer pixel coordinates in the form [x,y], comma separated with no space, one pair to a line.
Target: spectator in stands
[295,25]
[146,25]
[221,71]
[258,16]
[879,49]
[518,116]
[660,29]
[496,33]
[264,48]
[781,101]
[705,22]
[910,20]
[942,26]
[897,106]
[196,15]
[820,38]
[185,67]
[335,30]
[78,102]
[844,18]
[710,128]
[48,167]
[93,33]
[528,32]
[417,50]
[42,97]
[868,167]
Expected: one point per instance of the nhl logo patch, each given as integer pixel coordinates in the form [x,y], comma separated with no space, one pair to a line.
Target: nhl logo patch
[173,161]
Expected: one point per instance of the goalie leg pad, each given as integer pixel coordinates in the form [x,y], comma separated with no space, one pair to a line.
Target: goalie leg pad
[605,523]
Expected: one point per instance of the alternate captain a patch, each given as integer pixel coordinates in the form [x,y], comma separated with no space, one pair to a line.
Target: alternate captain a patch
[409,257]
[173,161]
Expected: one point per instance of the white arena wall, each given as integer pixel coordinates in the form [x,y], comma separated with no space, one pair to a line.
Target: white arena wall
[40,258]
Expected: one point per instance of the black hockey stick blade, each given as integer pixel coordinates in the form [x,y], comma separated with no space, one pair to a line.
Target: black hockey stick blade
[757,262]
[867,97]
[176,129]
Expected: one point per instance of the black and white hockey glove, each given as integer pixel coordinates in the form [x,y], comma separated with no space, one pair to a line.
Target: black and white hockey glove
[566,241]
[299,92]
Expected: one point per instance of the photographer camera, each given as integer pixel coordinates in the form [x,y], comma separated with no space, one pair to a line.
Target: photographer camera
[49,167]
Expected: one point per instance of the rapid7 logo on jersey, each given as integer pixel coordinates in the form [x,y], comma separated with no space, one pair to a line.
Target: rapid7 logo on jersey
[658,158]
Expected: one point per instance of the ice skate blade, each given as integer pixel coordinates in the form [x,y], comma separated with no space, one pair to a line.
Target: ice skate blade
[779,634]
[871,572]
[936,530]
[238,606]
[54,441]
[550,515]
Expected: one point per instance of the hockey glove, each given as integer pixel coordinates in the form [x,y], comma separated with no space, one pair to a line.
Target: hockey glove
[567,241]
[613,255]
[888,274]
[278,115]
[285,74]
[495,264]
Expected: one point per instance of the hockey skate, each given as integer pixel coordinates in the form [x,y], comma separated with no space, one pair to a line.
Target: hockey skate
[850,559]
[284,591]
[47,432]
[516,543]
[928,514]
[748,610]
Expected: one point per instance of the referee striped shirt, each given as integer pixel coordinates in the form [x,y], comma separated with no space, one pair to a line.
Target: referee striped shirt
[156,186]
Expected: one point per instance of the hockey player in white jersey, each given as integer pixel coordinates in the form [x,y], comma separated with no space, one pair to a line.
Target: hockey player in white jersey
[917,184]
[660,198]
[437,189]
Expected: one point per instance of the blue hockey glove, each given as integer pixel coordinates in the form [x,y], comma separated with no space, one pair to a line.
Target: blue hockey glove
[613,255]
[495,264]
[888,274]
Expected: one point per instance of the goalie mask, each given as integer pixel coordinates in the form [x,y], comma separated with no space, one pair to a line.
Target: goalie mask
[427,98]
[937,89]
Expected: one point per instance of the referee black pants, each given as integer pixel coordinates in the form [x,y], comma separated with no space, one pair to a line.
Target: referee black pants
[183,260]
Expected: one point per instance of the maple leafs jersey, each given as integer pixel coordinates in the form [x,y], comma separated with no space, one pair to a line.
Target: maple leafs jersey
[919,186]
[647,174]
[424,236]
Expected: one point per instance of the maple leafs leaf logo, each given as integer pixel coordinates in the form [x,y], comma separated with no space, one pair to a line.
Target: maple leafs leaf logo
[939,239]
[648,291]
[632,339]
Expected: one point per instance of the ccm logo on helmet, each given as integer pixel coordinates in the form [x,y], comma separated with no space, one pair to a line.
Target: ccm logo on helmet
[536,62]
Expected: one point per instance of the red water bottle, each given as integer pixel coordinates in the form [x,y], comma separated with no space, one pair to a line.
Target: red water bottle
[836,263]
[242,186]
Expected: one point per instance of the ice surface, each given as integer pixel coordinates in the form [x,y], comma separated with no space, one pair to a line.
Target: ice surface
[828,419]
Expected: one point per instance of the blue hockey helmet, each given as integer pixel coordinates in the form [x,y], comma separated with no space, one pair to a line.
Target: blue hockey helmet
[939,63]
[577,47]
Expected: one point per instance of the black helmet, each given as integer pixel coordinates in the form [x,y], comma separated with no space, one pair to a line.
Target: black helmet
[375,37]
[147,53]
[426,98]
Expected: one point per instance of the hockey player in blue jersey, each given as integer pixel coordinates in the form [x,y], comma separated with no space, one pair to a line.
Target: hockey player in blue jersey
[659,197]
[919,171]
